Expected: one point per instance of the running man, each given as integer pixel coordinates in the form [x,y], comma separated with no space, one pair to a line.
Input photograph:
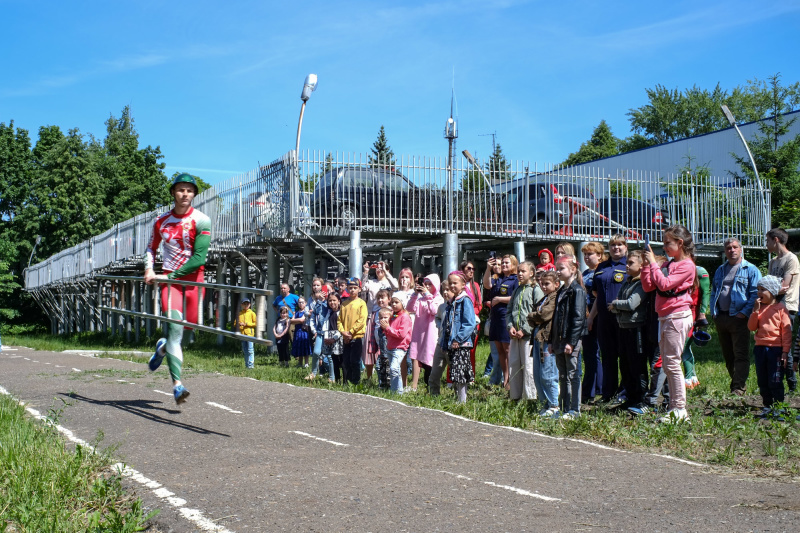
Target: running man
[186,233]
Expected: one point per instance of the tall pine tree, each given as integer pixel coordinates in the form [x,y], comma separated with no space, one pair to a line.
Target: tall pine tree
[382,154]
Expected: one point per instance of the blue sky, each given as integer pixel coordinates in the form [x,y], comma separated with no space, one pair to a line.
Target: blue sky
[216,85]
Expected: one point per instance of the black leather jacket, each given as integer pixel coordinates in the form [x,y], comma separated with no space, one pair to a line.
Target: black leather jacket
[569,317]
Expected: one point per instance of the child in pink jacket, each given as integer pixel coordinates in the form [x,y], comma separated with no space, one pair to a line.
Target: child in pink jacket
[424,303]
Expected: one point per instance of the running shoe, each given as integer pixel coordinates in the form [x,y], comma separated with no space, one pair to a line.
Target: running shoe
[695,382]
[572,415]
[158,356]
[689,384]
[639,409]
[674,416]
[764,412]
[550,412]
[180,393]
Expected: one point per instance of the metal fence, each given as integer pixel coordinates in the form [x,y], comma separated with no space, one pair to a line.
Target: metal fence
[424,195]
[324,194]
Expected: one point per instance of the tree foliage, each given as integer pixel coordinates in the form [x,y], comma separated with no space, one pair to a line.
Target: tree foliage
[67,188]
[382,154]
[671,114]
[777,157]
[601,144]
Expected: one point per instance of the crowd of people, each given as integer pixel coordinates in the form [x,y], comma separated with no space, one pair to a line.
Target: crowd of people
[620,332]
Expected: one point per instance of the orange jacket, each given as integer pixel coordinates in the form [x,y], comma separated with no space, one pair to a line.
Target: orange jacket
[773,326]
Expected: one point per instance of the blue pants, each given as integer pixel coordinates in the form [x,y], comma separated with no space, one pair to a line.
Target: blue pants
[545,375]
[769,373]
[247,350]
[396,380]
[496,377]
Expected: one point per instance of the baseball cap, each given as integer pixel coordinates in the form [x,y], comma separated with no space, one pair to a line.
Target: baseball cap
[354,281]
[245,300]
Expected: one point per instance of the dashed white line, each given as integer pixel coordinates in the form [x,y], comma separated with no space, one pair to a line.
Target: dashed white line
[59,366]
[193,515]
[162,392]
[27,359]
[9,350]
[15,357]
[76,369]
[213,404]
[319,438]
[521,492]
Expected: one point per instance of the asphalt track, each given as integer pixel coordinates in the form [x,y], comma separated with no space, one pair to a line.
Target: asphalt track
[246,455]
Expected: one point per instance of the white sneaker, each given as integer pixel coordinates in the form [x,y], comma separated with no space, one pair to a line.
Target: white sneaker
[549,412]
[305,365]
[688,383]
[695,382]
[673,416]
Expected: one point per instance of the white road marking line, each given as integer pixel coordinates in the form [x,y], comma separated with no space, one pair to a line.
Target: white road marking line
[213,404]
[59,366]
[34,361]
[319,438]
[521,492]
[193,515]
[9,349]
[76,369]
[518,430]
[162,392]
[14,356]
[122,380]
[97,375]
[27,359]
[46,363]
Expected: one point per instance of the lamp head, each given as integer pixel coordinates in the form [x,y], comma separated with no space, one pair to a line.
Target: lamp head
[309,87]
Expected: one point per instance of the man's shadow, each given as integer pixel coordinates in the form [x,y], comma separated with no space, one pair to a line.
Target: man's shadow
[147,409]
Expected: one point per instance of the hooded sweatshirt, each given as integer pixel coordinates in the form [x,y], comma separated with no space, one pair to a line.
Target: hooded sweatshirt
[425,333]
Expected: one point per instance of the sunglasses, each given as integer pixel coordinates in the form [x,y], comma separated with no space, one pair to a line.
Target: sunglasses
[469,268]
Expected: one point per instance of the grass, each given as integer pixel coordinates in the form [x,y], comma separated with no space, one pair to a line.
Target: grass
[722,430]
[45,487]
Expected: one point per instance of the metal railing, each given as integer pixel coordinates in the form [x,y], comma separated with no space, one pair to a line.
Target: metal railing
[416,195]
[323,194]
[127,297]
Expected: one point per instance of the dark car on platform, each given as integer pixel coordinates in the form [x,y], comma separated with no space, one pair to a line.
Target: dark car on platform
[634,217]
[371,197]
[551,207]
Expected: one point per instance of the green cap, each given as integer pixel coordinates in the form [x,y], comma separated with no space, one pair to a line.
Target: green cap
[184,178]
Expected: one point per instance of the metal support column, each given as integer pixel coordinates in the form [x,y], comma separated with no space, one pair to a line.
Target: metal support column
[308,269]
[222,304]
[355,258]
[397,261]
[450,255]
[323,267]
[519,250]
[274,285]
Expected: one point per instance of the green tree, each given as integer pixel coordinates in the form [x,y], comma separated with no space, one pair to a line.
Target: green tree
[133,179]
[601,144]
[671,114]
[382,154]
[777,158]
[69,194]
[498,168]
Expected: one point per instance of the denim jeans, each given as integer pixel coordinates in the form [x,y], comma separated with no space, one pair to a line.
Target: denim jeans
[315,355]
[249,355]
[394,370]
[769,372]
[545,375]
[496,377]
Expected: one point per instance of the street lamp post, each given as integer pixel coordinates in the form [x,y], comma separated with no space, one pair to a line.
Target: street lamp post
[38,240]
[309,87]
[732,122]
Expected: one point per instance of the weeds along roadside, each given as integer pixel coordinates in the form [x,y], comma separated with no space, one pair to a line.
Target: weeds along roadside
[46,487]
[722,432]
